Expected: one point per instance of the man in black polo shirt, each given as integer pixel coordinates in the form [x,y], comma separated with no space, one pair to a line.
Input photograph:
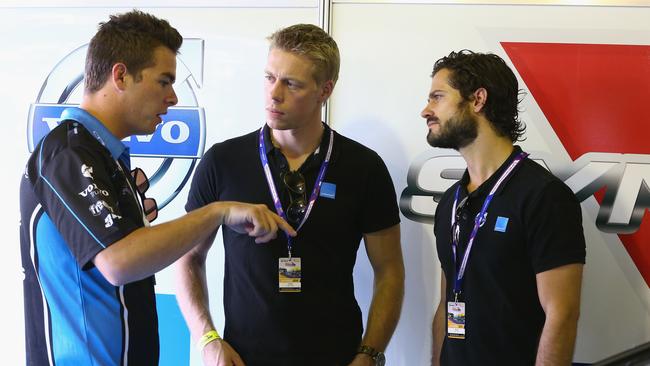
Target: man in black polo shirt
[509,234]
[87,249]
[291,302]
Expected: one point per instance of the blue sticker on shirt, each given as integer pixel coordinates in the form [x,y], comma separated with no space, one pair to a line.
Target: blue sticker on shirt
[328,190]
[501,224]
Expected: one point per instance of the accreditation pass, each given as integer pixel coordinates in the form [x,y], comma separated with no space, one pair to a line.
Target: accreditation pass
[289,274]
[456,320]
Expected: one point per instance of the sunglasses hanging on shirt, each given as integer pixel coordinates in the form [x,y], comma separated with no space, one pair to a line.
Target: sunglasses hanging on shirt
[149,205]
[295,184]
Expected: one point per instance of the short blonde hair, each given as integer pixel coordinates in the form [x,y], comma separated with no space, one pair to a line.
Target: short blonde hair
[314,43]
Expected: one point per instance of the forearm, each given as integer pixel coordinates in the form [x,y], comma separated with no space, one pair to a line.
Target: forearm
[147,250]
[557,341]
[438,332]
[559,295]
[192,294]
[388,293]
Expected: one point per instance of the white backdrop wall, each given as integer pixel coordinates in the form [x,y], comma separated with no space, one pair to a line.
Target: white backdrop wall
[388,50]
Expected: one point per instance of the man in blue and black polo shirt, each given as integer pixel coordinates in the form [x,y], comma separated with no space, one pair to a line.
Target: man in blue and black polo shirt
[291,301]
[509,234]
[88,251]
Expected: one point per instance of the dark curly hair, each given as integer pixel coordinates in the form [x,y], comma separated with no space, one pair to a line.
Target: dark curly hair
[470,71]
[129,38]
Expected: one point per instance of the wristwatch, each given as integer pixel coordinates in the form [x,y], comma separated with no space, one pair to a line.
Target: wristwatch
[377,357]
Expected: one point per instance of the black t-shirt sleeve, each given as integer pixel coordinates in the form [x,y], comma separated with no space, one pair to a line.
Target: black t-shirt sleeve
[205,183]
[555,233]
[379,209]
[75,186]
[442,231]
[436,219]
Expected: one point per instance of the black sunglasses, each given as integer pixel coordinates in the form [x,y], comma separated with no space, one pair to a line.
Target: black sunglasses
[295,183]
[455,228]
[149,205]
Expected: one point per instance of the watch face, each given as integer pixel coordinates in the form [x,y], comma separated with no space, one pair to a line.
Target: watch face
[380,360]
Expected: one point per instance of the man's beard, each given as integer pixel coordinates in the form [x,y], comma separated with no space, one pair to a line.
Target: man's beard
[457,132]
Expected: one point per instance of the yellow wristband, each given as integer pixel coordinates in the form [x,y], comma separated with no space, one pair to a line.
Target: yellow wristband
[207,338]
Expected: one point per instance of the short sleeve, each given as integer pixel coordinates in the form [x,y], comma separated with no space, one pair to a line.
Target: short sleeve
[205,183]
[555,233]
[379,209]
[437,221]
[77,189]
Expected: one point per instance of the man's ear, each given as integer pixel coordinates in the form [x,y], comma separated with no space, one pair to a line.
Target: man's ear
[326,90]
[118,76]
[480,98]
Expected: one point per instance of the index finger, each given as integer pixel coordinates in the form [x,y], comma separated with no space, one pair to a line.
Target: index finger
[284,225]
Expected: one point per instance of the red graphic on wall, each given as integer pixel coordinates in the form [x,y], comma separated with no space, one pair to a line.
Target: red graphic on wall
[597,99]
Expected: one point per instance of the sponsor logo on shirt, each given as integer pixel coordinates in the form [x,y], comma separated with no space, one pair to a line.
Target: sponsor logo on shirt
[93,191]
[109,219]
[97,207]
[87,171]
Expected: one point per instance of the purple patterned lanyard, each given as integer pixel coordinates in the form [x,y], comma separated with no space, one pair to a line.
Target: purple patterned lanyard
[274,192]
[478,221]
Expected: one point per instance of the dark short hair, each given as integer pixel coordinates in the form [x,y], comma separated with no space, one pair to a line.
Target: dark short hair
[469,71]
[314,43]
[129,38]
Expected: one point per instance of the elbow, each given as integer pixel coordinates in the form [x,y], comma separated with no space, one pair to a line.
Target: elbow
[112,269]
[401,273]
[114,275]
[574,316]
[392,279]
[400,282]
[567,315]
[115,279]
[393,272]
[399,276]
